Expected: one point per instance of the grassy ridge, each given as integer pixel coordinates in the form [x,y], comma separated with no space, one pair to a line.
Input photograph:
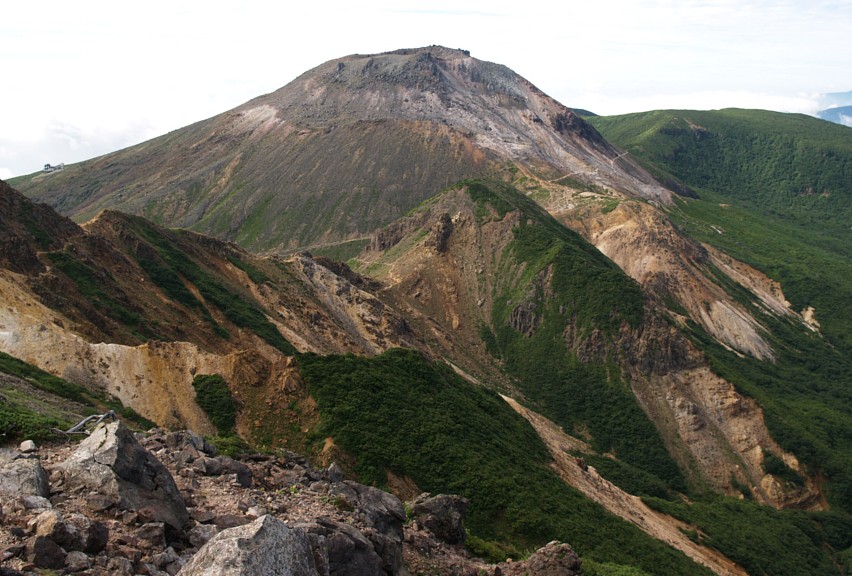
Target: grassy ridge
[796,166]
[171,263]
[403,413]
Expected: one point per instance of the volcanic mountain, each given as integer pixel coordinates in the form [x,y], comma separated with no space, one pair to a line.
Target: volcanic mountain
[342,150]
[642,338]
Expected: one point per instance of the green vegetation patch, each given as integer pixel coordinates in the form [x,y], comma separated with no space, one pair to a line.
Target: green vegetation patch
[93,286]
[342,252]
[400,412]
[764,540]
[20,423]
[214,397]
[256,275]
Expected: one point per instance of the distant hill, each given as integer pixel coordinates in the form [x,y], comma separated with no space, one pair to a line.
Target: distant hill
[838,115]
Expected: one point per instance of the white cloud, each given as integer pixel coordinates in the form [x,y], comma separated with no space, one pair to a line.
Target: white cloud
[116,72]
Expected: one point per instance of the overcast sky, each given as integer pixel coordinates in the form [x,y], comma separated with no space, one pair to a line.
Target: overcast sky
[80,79]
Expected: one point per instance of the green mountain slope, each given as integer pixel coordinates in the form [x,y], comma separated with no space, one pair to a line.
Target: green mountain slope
[563,323]
[774,190]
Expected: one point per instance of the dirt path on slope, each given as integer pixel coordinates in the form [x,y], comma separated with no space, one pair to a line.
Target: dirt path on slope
[617,501]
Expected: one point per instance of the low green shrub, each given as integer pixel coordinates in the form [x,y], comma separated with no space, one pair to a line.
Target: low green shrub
[214,397]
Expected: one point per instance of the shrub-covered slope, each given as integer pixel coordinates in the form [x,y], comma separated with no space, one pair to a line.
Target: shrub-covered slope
[404,414]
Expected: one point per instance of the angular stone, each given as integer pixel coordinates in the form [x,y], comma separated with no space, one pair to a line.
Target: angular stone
[36,503]
[94,535]
[27,446]
[45,553]
[334,473]
[151,535]
[266,547]
[201,534]
[120,567]
[51,524]
[111,462]
[554,559]
[442,515]
[226,521]
[22,476]
[100,502]
[77,561]
[381,511]
[208,466]
[231,466]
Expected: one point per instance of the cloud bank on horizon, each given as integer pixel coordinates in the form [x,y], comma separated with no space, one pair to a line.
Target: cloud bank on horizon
[85,79]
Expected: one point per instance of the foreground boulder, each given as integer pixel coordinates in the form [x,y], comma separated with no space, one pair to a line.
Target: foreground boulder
[113,464]
[265,547]
[22,476]
[342,550]
[382,513]
[442,515]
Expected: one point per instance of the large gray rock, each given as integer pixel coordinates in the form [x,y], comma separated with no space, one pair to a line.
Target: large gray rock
[342,550]
[112,463]
[21,476]
[442,515]
[383,513]
[266,547]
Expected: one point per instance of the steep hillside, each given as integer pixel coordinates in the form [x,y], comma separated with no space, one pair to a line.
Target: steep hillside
[584,347]
[779,201]
[135,310]
[342,150]
[506,282]
[778,190]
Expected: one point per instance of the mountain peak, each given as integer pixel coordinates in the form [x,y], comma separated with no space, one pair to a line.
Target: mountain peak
[346,148]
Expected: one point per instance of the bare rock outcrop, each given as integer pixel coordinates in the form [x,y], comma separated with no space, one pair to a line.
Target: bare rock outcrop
[112,463]
[265,547]
[22,475]
[383,514]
